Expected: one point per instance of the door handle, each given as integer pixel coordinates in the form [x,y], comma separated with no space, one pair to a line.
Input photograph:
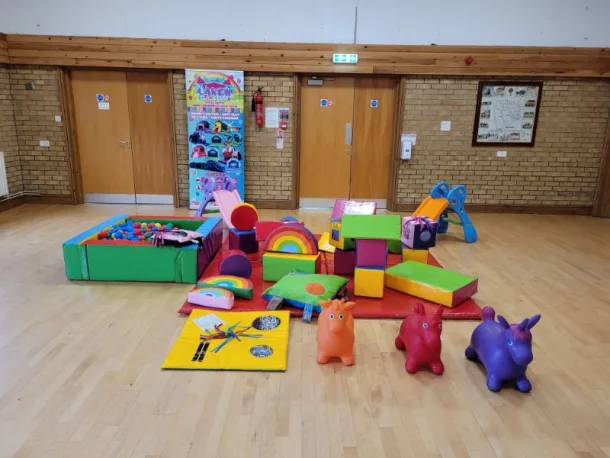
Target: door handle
[348,133]
[125,143]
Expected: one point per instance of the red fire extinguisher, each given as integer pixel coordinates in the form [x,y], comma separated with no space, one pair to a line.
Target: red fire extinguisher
[257,106]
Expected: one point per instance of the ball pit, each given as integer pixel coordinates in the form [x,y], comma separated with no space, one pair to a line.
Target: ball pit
[134,231]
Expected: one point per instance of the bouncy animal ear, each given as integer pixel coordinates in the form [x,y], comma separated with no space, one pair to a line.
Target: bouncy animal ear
[349,305]
[523,324]
[439,311]
[419,309]
[503,322]
[325,304]
[533,320]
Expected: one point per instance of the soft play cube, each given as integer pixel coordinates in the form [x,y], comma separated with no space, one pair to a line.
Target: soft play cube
[368,282]
[243,240]
[385,227]
[371,253]
[344,262]
[409,254]
[276,265]
[264,228]
[218,298]
[337,240]
[431,283]
[418,232]
[395,246]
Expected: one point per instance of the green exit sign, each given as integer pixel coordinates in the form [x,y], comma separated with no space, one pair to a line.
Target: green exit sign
[345,58]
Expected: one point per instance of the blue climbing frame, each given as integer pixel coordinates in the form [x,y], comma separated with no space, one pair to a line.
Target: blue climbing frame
[456,198]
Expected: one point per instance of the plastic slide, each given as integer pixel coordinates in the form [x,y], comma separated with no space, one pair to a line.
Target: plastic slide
[432,208]
[227,201]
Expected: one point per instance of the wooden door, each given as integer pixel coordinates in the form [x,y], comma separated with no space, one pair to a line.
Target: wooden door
[325,132]
[151,137]
[102,126]
[373,143]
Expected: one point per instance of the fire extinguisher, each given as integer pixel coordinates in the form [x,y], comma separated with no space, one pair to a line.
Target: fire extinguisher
[257,106]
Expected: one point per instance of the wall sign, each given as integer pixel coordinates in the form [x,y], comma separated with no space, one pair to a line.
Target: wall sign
[507,113]
[215,115]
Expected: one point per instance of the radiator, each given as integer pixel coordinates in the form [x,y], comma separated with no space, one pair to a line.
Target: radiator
[3,179]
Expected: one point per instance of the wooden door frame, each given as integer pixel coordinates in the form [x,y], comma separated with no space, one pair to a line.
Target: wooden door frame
[70,128]
[395,161]
[602,191]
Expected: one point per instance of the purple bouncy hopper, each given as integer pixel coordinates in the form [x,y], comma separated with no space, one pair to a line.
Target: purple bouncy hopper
[504,349]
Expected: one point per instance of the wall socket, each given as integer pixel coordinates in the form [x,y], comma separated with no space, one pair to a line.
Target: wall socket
[45,143]
[57,118]
[501,154]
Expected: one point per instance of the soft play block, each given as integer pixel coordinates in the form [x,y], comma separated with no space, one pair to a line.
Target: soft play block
[276,265]
[368,282]
[240,287]
[409,254]
[431,283]
[371,226]
[264,228]
[344,262]
[352,207]
[243,240]
[217,298]
[371,253]
[395,246]
[335,237]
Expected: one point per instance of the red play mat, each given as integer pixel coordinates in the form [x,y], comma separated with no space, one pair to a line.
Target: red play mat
[393,304]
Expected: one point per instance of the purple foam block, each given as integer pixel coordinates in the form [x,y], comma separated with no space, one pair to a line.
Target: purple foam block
[236,263]
[371,253]
[210,246]
[345,262]
[243,240]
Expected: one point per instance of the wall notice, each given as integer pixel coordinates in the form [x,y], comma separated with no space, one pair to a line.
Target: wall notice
[507,113]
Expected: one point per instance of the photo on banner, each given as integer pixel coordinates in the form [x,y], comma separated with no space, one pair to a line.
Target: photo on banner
[215,116]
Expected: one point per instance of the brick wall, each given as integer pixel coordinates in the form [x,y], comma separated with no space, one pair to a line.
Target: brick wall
[268,170]
[45,170]
[8,135]
[561,169]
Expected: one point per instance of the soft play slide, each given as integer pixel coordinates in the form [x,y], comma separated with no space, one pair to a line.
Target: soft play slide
[227,201]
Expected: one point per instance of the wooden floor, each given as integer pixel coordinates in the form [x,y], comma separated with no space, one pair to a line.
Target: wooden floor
[80,362]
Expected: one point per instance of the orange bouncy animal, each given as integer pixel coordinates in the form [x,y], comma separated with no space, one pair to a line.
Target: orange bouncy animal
[336,332]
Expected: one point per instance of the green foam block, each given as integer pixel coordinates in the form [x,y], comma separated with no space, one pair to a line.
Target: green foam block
[276,265]
[386,227]
[395,246]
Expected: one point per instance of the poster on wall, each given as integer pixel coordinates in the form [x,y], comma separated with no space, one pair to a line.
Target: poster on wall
[507,113]
[215,117]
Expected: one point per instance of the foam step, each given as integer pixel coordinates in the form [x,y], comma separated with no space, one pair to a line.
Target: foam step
[243,240]
[276,265]
[431,283]
[217,298]
[344,262]
[240,287]
[408,254]
[372,253]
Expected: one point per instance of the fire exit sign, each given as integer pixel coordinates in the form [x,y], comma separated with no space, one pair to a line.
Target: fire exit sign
[345,58]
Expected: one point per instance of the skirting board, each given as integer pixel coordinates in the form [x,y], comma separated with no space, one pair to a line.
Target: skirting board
[529,209]
[43,199]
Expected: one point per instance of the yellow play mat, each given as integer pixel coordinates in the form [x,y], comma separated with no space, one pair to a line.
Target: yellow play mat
[215,340]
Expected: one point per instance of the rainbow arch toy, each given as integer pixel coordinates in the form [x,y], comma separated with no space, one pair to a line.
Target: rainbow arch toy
[293,239]
[217,298]
[240,287]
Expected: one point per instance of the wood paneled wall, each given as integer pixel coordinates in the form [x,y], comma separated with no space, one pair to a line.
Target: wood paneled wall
[303,57]
[3,49]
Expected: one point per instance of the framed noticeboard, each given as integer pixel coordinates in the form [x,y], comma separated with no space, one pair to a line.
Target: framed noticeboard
[507,113]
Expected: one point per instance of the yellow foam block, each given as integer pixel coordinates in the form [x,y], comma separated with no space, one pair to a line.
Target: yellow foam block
[368,282]
[336,240]
[324,243]
[412,288]
[409,254]
[264,353]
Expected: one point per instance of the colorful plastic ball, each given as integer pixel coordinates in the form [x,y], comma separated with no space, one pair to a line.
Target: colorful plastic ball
[137,232]
[118,235]
[155,229]
[169,226]
[157,225]
[144,225]
[137,225]
[141,237]
[103,235]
